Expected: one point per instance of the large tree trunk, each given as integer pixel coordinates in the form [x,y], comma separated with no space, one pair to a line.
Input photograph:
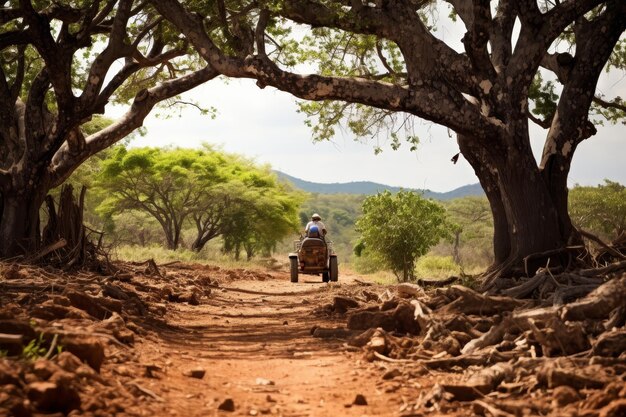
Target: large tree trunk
[19,223]
[526,220]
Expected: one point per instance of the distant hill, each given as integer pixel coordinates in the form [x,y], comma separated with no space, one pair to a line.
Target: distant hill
[368,187]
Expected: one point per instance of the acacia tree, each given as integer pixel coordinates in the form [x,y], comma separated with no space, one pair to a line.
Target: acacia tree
[169,185]
[380,58]
[61,63]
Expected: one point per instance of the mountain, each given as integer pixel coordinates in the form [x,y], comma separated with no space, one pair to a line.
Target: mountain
[368,187]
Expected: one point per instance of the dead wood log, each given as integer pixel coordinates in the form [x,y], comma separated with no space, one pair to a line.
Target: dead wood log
[594,272]
[10,339]
[437,282]
[400,319]
[406,290]
[481,383]
[470,302]
[478,358]
[600,303]
[343,304]
[481,406]
[552,377]
[563,295]
[611,344]
[560,338]
[527,287]
[420,315]
[61,243]
[519,321]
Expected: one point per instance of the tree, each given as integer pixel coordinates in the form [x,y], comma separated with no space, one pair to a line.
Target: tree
[400,228]
[380,59]
[265,212]
[169,185]
[61,63]
[222,194]
[473,225]
[601,209]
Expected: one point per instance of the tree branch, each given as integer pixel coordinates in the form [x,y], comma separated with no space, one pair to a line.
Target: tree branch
[427,101]
[264,17]
[64,162]
[615,104]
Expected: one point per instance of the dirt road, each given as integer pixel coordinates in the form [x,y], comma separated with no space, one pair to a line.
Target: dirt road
[253,339]
[199,340]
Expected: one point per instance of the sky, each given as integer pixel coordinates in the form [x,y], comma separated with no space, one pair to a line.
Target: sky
[265,125]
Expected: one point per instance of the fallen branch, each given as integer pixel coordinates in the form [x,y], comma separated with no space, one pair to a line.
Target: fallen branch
[391,360]
[11,339]
[527,287]
[48,249]
[592,272]
[600,242]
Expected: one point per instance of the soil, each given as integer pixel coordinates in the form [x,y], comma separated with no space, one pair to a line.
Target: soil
[197,340]
[254,341]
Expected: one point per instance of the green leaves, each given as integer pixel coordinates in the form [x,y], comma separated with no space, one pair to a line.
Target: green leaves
[224,194]
[544,97]
[400,228]
[600,209]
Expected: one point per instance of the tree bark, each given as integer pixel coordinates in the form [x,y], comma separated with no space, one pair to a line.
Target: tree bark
[19,224]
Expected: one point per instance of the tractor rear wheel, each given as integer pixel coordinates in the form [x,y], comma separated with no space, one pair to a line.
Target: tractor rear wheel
[293,264]
[334,269]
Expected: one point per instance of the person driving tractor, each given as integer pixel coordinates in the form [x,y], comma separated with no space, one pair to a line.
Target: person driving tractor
[315,228]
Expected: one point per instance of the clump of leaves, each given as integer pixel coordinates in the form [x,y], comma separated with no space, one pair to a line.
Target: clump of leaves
[34,349]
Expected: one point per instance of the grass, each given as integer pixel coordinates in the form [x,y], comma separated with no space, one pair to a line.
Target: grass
[161,255]
[436,267]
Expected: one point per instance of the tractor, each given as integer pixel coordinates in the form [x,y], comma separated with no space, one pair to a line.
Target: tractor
[313,255]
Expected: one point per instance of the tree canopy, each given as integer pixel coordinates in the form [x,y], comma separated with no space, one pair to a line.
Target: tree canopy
[220,194]
[61,63]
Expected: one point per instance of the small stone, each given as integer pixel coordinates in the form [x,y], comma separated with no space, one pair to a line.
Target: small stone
[263,381]
[391,374]
[270,399]
[53,397]
[285,323]
[227,405]
[87,349]
[254,412]
[564,395]
[195,373]
[359,400]
[150,371]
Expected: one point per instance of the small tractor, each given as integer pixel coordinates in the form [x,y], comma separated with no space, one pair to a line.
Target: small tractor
[313,255]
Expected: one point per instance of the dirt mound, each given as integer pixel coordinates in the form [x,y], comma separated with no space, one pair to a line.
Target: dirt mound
[57,330]
[494,355]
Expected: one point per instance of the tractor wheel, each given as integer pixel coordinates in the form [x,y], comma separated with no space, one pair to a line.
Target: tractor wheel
[334,269]
[293,263]
[325,277]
